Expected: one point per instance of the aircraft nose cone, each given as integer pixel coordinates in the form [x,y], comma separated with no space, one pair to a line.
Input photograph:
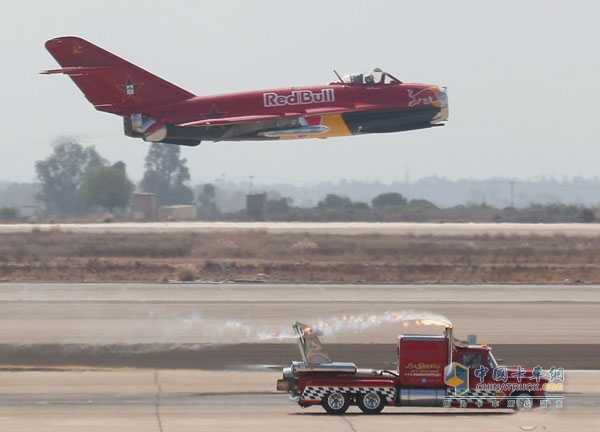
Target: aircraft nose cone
[444,102]
[444,113]
[444,97]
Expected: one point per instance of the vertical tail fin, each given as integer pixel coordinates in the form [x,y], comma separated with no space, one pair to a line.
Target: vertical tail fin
[110,83]
[311,348]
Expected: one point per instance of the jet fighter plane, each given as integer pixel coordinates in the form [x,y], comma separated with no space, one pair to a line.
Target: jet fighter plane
[157,111]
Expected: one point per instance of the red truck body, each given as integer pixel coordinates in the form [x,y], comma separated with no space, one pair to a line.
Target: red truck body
[432,371]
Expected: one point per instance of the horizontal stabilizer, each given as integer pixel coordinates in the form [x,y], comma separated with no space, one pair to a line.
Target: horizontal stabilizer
[77,70]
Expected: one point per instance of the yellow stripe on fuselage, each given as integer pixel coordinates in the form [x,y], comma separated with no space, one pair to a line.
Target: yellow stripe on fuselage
[336,124]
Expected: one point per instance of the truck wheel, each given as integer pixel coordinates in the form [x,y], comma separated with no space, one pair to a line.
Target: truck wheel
[523,400]
[371,402]
[336,403]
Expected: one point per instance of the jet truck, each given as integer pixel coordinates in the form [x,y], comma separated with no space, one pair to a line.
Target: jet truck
[433,371]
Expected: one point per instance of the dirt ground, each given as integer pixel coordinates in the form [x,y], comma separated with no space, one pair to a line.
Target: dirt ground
[297,257]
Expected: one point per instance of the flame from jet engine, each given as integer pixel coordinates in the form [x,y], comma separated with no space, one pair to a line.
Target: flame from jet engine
[362,322]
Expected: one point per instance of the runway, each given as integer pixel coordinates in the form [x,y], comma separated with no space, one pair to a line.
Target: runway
[236,322]
[205,401]
[339,228]
[190,313]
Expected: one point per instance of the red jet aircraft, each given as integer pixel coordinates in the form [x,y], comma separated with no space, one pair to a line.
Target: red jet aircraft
[158,111]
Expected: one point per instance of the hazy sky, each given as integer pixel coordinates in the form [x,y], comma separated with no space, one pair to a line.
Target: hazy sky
[523,79]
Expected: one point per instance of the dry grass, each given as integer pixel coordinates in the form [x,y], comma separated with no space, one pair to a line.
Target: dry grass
[65,256]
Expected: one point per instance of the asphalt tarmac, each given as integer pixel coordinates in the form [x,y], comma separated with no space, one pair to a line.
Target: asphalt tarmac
[340,228]
[179,357]
[259,356]
[183,400]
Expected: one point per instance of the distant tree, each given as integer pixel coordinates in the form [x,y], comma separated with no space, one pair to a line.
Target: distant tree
[586,215]
[107,187]
[335,201]
[62,174]
[389,199]
[423,204]
[281,205]
[207,200]
[207,196]
[154,183]
[360,206]
[166,174]
[8,213]
[421,210]
[19,194]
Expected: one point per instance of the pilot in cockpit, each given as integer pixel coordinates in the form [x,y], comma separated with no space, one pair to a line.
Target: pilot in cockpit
[357,78]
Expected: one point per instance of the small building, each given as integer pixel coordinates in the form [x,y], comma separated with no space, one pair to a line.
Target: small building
[178,212]
[142,206]
[30,210]
[256,206]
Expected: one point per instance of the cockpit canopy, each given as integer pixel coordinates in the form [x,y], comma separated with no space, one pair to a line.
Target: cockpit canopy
[375,77]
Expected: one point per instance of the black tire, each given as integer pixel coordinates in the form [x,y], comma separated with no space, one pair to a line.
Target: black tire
[371,402]
[336,403]
[523,400]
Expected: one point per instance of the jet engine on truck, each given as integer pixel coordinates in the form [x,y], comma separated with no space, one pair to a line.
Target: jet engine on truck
[432,371]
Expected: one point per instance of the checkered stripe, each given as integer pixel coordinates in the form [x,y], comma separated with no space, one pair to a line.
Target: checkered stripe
[472,396]
[317,393]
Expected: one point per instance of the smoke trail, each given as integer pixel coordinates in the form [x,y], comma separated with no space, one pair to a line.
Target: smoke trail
[221,331]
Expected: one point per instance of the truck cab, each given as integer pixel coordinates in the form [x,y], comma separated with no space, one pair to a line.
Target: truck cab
[474,356]
[494,385]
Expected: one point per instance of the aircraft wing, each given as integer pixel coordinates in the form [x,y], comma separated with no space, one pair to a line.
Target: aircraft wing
[364,106]
[299,122]
[223,121]
[359,106]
